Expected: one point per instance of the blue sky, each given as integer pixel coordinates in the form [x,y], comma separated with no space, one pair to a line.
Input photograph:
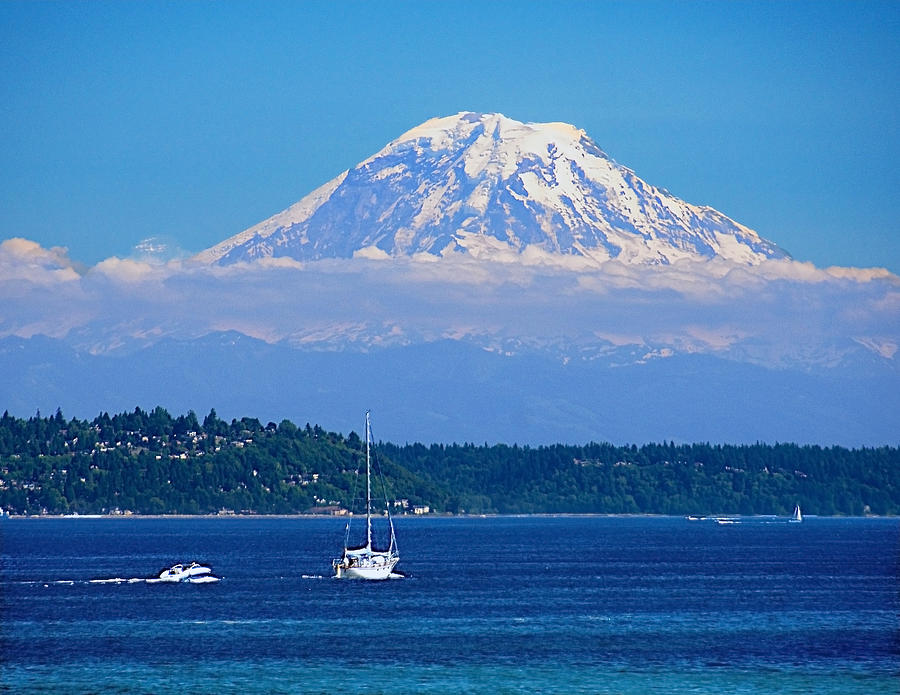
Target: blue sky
[122,121]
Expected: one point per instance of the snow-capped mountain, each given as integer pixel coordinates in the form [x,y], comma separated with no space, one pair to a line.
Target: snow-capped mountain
[495,188]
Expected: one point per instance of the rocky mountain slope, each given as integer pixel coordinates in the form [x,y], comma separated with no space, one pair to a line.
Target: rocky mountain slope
[495,188]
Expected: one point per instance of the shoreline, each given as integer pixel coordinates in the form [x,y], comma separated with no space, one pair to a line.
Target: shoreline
[538,515]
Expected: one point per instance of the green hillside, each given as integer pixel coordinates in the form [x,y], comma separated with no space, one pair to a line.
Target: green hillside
[154,463]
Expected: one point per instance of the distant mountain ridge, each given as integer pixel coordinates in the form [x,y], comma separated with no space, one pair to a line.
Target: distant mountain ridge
[495,188]
[453,391]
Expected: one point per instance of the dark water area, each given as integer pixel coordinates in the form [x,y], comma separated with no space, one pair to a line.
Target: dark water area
[506,604]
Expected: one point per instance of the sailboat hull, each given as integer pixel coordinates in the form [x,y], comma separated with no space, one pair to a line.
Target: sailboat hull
[372,573]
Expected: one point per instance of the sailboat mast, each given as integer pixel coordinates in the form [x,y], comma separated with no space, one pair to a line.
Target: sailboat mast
[368,488]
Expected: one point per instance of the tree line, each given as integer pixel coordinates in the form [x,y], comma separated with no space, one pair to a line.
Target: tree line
[153,463]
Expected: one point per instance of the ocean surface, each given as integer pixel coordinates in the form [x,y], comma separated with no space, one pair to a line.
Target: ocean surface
[499,605]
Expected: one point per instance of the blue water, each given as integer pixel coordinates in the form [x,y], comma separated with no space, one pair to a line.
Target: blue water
[501,605]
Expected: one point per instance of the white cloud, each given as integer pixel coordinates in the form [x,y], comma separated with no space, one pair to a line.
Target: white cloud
[25,260]
[372,253]
[126,271]
[777,312]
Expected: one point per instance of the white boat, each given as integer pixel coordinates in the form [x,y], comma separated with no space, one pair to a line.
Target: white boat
[797,516]
[366,561]
[194,572]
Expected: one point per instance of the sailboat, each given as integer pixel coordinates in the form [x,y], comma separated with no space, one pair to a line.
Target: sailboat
[365,561]
[797,517]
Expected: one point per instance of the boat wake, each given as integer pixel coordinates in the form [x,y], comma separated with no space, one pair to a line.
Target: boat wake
[194,573]
[79,582]
[115,580]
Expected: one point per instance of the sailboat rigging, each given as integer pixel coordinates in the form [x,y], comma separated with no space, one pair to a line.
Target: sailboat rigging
[366,561]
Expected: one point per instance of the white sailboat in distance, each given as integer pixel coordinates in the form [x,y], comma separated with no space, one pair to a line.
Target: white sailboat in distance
[797,516]
[365,561]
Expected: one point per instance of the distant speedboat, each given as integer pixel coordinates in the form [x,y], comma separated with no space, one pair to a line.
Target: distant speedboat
[194,573]
[797,517]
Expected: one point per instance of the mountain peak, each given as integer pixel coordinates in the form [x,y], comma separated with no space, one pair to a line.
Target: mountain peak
[497,188]
[439,130]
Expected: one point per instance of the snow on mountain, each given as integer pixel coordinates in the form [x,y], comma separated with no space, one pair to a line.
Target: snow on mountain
[489,186]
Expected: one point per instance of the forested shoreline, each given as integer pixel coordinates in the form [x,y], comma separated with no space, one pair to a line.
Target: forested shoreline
[154,463]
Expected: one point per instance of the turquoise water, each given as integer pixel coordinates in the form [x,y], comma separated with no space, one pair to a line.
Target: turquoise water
[508,605]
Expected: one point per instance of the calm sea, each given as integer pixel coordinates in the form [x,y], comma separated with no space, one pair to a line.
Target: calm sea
[500,605]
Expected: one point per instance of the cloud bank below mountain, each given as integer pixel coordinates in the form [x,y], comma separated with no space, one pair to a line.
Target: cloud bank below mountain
[781,313]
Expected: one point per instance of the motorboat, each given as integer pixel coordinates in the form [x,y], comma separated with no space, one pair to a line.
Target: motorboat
[195,573]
